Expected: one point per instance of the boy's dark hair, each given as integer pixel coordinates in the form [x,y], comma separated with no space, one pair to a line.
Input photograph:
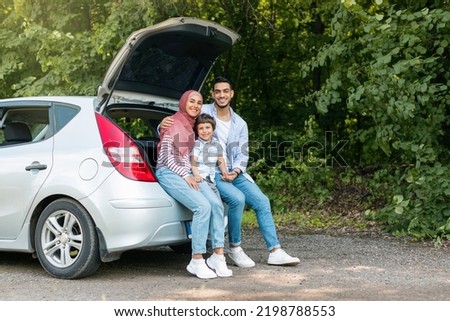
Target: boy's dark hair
[204,119]
[222,79]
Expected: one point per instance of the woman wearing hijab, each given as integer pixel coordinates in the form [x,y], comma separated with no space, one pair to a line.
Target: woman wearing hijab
[173,171]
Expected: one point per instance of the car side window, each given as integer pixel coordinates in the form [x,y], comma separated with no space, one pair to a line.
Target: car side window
[23,124]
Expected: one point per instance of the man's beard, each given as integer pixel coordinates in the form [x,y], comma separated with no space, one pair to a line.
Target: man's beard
[224,106]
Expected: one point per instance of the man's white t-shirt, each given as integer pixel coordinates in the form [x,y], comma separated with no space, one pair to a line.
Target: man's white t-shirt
[222,131]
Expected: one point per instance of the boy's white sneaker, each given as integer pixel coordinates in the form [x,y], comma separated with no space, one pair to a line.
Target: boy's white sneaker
[200,269]
[280,257]
[239,258]
[218,264]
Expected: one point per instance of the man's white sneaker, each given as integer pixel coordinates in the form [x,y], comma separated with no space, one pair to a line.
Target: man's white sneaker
[280,257]
[218,264]
[239,258]
[200,269]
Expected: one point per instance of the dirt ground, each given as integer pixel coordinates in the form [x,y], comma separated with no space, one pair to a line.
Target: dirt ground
[341,268]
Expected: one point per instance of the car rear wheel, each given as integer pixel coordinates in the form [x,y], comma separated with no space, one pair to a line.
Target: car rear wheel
[66,240]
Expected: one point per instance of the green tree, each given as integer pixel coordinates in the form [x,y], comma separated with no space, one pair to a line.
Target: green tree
[68,50]
[388,71]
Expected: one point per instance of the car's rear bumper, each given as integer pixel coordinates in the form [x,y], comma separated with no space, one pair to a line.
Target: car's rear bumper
[131,214]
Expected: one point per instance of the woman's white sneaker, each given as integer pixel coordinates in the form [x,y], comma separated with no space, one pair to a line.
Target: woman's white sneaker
[200,269]
[218,264]
[280,257]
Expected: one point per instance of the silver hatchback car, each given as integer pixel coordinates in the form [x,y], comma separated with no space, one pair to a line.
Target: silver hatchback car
[77,186]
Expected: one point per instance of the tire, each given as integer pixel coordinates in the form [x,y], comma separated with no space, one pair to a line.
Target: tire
[66,241]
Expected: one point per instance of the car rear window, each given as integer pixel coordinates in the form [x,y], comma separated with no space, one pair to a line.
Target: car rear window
[63,115]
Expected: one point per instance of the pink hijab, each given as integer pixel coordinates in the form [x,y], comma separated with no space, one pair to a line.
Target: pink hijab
[182,131]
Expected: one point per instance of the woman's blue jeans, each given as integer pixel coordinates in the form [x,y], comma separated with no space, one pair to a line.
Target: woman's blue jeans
[236,194]
[206,207]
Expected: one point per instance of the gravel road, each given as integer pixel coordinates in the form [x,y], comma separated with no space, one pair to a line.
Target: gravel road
[346,267]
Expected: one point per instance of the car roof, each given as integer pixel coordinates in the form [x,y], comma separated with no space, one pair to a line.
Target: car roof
[63,99]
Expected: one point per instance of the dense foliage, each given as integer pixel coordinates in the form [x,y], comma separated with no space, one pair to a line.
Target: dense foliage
[388,73]
[347,101]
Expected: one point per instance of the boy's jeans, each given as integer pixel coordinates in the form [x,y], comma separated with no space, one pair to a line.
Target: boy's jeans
[206,207]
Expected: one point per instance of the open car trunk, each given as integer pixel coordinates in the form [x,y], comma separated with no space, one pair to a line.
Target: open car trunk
[158,64]
[154,67]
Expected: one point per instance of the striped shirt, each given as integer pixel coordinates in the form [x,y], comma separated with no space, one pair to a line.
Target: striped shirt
[169,156]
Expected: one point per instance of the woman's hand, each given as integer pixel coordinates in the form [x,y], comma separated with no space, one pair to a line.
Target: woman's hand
[190,180]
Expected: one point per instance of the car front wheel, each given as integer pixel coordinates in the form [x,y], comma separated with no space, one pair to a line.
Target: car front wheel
[66,241]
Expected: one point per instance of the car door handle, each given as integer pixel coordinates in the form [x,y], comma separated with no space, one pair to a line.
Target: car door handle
[36,166]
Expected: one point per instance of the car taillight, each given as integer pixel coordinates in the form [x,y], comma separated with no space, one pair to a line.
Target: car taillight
[123,152]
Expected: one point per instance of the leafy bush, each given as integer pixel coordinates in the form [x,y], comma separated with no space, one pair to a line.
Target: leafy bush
[292,164]
[419,201]
[388,70]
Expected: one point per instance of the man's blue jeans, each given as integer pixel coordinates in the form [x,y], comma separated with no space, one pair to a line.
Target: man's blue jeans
[206,207]
[236,194]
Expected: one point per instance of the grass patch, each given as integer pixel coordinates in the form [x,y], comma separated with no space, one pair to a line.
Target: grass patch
[341,211]
[315,222]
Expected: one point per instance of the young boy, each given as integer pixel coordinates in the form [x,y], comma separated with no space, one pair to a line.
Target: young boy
[205,157]
[207,153]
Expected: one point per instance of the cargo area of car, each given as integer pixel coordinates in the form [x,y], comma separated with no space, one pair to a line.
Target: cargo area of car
[149,146]
[140,123]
